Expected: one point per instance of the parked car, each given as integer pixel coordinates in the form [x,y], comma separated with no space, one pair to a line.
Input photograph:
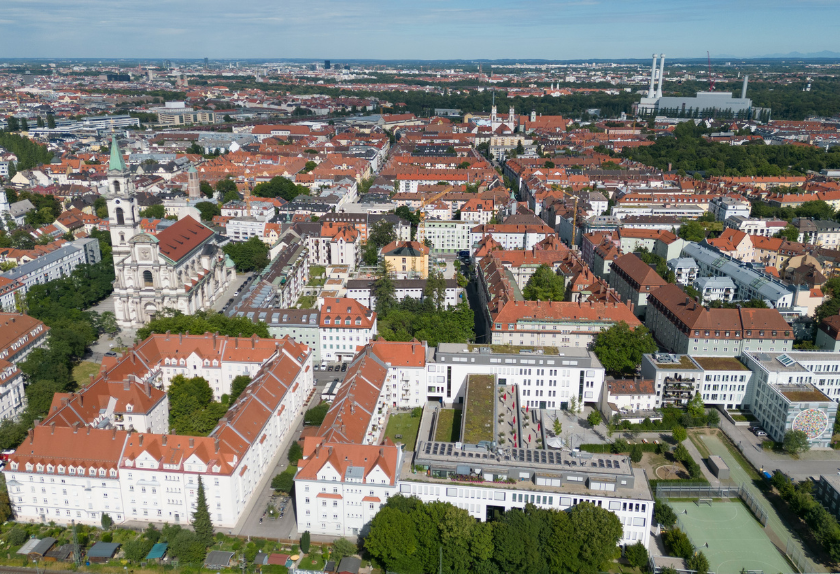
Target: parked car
[330,368]
[343,367]
[760,432]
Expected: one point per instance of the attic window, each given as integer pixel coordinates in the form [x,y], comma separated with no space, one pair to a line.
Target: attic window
[329,309]
[347,321]
[327,321]
[358,321]
[348,309]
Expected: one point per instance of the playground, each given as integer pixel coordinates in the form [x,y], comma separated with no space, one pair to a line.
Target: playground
[735,539]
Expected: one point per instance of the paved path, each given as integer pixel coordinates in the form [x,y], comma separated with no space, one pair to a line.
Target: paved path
[249,521]
[739,475]
[813,463]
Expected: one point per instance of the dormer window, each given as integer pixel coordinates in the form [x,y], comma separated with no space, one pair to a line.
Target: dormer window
[327,321]
[329,309]
[358,321]
[347,321]
[129,408]
[348,309]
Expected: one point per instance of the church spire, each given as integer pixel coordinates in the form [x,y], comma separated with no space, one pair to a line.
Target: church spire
[116,163]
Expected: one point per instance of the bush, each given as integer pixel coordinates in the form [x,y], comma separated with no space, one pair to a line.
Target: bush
[295,453]
[636,453]
[681,453]
[620,445]
[315,416]
[342,548]
[107,537]
[594,418]
[106,521]
[416,412]
[679,434]
[699,562]
[304,542]
[284,482]
[678,543]
[17,536]
[796,442]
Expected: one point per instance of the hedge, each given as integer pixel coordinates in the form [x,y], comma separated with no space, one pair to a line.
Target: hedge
[606,448]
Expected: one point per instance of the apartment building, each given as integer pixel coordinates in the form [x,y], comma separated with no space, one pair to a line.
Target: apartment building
[56,264]
[728,206]
[511,236]
[76,472]
[348,472]
[446,236]
[336,244]
[345,326]
[20,335]
[633,280]
[755,226]
[681,325]
[406,259]
[685,269]
[818,232]
[362,291]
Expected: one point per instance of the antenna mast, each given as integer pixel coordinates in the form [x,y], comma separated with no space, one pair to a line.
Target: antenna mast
[711,78]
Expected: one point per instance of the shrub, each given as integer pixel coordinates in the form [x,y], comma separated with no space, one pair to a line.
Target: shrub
[636,453]
[678,543]
[416,412]
[304,542]
[620,445]
[17,536]
[315,416]
[594,418]
[679,434]
[295,453]
[107,537]
[699,562]
[681,453]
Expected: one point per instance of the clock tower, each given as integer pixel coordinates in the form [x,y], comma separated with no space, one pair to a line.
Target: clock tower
[123,211]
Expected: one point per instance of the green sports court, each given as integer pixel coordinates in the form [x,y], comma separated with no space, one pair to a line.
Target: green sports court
[736,539]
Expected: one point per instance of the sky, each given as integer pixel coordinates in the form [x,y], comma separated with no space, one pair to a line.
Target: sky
[415,29]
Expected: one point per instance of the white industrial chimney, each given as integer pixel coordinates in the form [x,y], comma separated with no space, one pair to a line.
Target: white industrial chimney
[744,87]
[651,91]
[661,74]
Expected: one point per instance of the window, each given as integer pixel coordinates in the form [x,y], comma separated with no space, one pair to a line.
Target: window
[147,279]
[119,211]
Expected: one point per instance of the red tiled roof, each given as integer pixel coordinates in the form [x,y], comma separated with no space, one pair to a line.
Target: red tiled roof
[182,237]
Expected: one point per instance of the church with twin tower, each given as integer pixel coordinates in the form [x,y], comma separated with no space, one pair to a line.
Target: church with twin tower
[182,268]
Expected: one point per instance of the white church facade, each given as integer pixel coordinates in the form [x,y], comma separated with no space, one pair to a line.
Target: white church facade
[183,268]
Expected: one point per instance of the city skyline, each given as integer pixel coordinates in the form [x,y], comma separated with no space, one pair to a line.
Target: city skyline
[427,29]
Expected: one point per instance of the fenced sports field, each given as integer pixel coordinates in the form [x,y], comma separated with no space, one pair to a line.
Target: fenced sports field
[735,538]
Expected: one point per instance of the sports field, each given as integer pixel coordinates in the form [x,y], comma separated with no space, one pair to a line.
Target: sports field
[736,539]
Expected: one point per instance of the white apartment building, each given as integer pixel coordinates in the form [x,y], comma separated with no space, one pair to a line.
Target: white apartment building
[511,236]
[261,210]
[77,472]
[685,269]
[446,236]
[20,335]
[337,244]
[716,289]
[725,207]
[12,396]
[755,226]
[345,326]
[244,228]
[362,291]
[56,264]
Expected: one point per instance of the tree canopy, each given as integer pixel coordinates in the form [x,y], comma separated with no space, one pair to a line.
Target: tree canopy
[620,348]
[545,285]
[407,535]
[251,255]
[192,410]
[204,322]
[280,187]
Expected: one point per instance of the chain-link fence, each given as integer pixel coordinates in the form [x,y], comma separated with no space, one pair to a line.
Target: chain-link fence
[753,504]
[696,490]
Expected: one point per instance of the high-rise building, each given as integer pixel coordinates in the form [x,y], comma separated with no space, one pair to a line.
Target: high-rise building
[326,64]
[206,62]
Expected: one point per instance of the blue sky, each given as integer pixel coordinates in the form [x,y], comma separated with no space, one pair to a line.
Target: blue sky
[421,29]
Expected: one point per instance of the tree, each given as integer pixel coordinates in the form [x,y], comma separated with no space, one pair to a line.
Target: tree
[208,210]
[283,482]
[548,164]
[195,149]
[558,427]
[251,255]
[392,540]
[39,122]
[594,418]
[237,386]
[136,550]
[520,149]
[154,211]
[681,453]
[601,529]
[304,542]
[679,434]
[636,453]
[790,233]
[545,285]
[796,442]
[342,548]
[699,563]
[51,121]
[664,514]
[108,323]
[17,536]
[24,125]
[280,187]
[692,231]
[620,349]
[695,406]
[201,522]
[678,543]
[310,165]
[295,453]
[204,322]
[637,555]
[187,547]
[827,308]
[434,291]
[106,521]
[384,290]
[227,185]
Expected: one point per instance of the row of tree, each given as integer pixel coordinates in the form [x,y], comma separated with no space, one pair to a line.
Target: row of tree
[251,255]
[204,322]
[29,154]
[687,150]
[61,305]
[409,536]
[801,501]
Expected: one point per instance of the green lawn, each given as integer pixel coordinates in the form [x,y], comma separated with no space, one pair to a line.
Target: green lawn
[449,425]
[406,426]
[83,371]
[311,562]
[306,301]
[478,415]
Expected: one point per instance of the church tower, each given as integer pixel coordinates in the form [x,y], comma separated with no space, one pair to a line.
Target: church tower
[193,185]
[123,212]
